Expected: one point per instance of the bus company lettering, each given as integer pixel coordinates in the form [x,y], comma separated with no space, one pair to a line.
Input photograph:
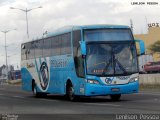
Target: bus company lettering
[59,63]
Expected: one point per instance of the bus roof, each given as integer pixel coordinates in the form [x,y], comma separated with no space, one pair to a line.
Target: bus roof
[67,29]
[70,28]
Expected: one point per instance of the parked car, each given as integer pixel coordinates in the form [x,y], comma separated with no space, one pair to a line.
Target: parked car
[152,67]
[143,60]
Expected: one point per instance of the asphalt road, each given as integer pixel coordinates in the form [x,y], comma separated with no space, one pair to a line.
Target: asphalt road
[14,101]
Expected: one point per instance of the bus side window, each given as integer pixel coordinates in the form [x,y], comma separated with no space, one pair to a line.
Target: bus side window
[47,47]
[30,52]
[66,44]
[26,51]
[56,44]
[38,48]
[25,58]
[23,52]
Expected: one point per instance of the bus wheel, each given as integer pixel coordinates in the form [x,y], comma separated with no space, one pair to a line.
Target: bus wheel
[38,94]
[70,92]
[115,97]
[34,90]
[35,93]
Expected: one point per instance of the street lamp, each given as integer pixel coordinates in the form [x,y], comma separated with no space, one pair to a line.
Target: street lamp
[5,32]
[26,11]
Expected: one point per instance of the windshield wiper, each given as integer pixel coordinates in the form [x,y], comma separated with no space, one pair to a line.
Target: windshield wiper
[115,61]
[107,66]
[120,65]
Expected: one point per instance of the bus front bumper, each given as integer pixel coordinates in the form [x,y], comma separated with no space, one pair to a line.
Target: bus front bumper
[96,89]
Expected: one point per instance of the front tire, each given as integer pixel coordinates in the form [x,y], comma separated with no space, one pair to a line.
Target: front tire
[70,92]
[115,97]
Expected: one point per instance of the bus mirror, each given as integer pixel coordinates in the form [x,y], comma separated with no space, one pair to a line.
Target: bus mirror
[83,47]
[141,47]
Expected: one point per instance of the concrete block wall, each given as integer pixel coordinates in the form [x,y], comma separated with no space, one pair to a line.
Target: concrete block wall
[152,79]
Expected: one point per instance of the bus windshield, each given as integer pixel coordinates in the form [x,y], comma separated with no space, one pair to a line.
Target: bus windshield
[115,58]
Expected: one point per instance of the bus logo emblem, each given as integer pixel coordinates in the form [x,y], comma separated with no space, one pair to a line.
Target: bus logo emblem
[108,80]
[44,75]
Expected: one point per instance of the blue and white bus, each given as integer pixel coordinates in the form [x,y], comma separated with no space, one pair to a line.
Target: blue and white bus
[93,60]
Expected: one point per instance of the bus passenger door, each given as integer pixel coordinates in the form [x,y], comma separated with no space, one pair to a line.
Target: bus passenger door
[80,67]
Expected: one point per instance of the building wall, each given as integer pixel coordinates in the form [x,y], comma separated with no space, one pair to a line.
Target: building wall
[150,38]
[149,79]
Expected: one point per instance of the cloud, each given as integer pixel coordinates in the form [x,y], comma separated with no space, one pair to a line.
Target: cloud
[59,13]
[5,2]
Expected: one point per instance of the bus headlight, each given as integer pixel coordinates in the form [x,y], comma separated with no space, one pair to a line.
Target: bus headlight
[93,81]
[133,79]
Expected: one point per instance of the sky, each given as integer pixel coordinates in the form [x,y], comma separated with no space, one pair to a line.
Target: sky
[59,13]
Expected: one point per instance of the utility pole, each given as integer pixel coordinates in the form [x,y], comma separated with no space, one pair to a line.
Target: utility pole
[131,24]
[146,24]
[5,46]
[26,11]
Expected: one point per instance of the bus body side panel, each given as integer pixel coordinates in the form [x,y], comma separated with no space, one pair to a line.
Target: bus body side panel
[62,69]
[27,71]
[56,75]
[78,83]
[26,79]
[33,71]
[41,73]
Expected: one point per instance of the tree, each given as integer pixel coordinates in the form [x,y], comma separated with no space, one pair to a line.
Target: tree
[155,47]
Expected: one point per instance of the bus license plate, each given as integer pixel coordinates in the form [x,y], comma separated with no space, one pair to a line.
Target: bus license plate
[115,89]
